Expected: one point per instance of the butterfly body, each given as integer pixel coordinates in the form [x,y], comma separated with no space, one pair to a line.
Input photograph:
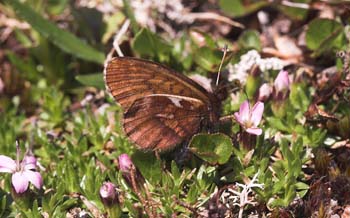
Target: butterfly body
[161,107]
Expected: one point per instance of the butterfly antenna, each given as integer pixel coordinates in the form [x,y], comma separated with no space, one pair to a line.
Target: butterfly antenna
[118,37]
[222,61]
[117,40]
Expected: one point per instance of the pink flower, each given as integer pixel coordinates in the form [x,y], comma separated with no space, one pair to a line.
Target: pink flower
[107,190]
[2,86]
[125,163]
[108,194]
[129,171]
[22,172]
[282,82]
[249,118]
[265,91]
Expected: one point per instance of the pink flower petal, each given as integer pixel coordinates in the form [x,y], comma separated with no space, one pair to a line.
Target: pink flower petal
[254,131]
[238,118]
[34,177]
[125,163]
[257,112]
[244,111]
[2,86]
[265,91]
[19,182]
[282,81]
[7,164]
[107,190]
[29,162]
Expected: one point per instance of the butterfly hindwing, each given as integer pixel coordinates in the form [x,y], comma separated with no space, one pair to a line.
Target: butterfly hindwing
[159,122]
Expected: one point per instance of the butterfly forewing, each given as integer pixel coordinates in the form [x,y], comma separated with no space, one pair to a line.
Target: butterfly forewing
[129,79]
[161,107]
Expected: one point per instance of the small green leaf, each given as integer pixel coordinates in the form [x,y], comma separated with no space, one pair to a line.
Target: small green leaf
[208,59]
[264,163]
[298,98]
[232,7]
[149,44]
[61,38]
[315,136]
[113,22]
[35,209]
[277,123]
[290,193]
[192,194]
[323,34]
[94,80]
[69,203]
[130,14]
[208,39]
[214,148]
[3,203]
[26,68]
[276,203]
[252,85]
[301,186]
[23,38]
[236,8]
[250,39]
[148,165]
[175,170]
[295,13]
[286,152]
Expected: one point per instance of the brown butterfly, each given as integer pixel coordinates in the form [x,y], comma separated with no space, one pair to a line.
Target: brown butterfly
[162,108]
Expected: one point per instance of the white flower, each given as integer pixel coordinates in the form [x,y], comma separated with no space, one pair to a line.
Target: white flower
[240,70]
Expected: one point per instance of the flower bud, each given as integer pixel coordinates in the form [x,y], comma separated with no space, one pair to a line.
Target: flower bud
[125,163]
[110,199]
[198,38]
[129,171]
[282,85]
[265,91]
[2,86]
[282,81]
[108,194]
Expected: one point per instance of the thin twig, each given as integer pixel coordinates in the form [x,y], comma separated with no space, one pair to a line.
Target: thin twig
[13,23]
[212,16]
[150,202]
[295,4]
[136,190]
[90,206]
[185,205]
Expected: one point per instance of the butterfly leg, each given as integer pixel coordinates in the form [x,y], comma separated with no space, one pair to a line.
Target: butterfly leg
[183,154]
